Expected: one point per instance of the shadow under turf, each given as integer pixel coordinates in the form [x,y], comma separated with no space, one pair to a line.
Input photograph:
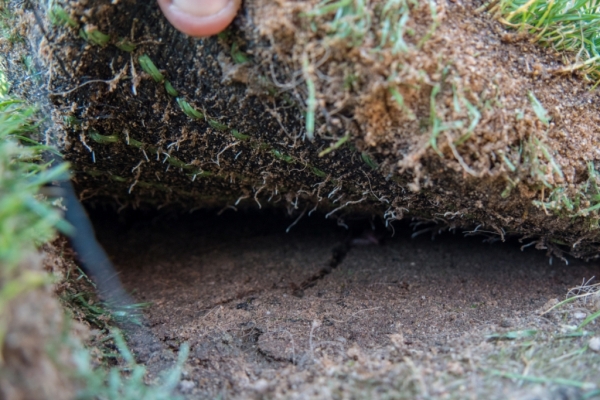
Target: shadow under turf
[235,288]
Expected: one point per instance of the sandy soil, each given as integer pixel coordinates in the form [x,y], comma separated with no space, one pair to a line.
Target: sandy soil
[236,290]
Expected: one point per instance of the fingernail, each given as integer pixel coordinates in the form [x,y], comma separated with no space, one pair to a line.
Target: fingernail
[200,8]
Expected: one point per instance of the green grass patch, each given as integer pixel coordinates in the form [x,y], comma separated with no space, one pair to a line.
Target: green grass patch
[26,217]
[568,26]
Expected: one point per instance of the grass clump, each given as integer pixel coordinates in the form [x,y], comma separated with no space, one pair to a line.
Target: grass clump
[125,382]
[108,369]
[547,357]
[570,27]
[27,218]
[561,357]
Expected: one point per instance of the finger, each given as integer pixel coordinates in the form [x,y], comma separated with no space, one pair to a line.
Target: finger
[200,17]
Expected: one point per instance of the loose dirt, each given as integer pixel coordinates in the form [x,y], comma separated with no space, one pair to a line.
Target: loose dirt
[231,287]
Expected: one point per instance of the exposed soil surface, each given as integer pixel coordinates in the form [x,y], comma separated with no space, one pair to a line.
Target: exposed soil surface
[239,290]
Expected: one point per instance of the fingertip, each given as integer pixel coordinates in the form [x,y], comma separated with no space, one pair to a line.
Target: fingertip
[200,18]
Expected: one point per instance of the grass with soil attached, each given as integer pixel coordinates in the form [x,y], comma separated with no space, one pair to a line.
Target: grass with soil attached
[552,361]
[30,216]
[27,219]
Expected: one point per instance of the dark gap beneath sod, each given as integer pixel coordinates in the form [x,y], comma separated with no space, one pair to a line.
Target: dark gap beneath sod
[255,302]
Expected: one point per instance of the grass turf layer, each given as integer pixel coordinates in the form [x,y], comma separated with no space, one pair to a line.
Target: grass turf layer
[394,109]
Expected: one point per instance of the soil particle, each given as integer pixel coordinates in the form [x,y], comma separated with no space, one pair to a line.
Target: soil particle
[595,344]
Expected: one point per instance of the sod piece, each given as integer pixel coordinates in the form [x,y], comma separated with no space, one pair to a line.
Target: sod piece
[395,108]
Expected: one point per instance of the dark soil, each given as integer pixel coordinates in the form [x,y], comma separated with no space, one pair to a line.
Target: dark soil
[241,292]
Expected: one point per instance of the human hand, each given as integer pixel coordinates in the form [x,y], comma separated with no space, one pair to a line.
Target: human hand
[200,17]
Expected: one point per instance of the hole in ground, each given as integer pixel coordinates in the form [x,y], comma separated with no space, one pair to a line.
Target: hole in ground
[228,285]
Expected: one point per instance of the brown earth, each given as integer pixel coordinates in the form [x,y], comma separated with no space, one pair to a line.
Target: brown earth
[403,316]
[34,357]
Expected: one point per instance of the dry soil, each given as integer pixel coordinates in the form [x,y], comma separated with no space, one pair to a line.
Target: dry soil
[238,289]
